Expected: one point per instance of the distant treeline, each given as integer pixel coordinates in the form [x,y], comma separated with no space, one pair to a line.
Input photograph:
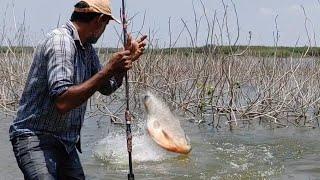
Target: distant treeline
[258,51]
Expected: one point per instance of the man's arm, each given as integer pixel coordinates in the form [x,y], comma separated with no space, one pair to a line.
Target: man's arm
[60,71]
[112,84]
[68,96]
[75,95]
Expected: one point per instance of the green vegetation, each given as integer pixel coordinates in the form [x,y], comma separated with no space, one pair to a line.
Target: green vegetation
[256,51]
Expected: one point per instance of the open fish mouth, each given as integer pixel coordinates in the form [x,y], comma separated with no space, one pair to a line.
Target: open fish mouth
[164,128]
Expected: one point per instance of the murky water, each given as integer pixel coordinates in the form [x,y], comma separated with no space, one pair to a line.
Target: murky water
[258,153]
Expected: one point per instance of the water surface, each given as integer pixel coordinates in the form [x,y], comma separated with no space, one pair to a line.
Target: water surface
[257,153]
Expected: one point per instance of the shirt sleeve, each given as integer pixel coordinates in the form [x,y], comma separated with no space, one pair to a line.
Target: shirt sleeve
[111,84]
[60,52]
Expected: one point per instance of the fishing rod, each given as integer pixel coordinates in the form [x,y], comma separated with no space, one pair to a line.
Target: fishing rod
[127,112]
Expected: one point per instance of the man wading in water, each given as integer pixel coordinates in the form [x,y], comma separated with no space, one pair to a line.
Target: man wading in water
[66,72]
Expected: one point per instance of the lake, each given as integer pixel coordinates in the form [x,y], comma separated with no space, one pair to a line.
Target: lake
[255,153]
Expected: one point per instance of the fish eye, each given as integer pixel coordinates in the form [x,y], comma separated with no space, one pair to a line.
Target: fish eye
[146,97]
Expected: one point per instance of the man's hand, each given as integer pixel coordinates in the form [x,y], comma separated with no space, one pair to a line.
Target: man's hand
[120,62]
[136,47]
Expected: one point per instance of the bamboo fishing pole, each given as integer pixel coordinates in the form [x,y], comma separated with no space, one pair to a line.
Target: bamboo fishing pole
[127,112]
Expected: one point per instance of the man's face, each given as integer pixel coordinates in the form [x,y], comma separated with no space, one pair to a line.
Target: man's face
[98,26]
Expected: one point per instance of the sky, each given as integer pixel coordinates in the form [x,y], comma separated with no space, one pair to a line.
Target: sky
[264,19]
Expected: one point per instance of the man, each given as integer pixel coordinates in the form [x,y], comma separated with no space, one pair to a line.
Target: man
[66,72]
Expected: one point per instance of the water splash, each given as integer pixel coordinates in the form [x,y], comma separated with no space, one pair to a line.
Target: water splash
[113,150]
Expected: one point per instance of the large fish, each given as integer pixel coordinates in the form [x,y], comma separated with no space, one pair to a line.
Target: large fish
[164,128]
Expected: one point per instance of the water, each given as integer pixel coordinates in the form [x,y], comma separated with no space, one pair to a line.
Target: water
[258,153]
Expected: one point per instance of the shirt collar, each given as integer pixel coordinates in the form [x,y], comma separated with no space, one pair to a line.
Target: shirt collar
[74,32]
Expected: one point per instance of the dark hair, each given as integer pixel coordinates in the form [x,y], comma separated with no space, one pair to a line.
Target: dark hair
[81,16]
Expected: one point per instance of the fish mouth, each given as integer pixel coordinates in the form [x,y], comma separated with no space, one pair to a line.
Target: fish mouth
[185,150]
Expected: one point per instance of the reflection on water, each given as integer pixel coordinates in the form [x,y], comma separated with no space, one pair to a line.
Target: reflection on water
[242,154]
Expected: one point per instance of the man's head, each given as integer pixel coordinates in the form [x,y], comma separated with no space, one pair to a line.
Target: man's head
[95,15]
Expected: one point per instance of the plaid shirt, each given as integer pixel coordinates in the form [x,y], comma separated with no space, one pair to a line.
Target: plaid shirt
[60,61]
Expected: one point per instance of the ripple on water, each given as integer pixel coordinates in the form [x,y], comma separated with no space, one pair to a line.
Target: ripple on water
[261,155]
